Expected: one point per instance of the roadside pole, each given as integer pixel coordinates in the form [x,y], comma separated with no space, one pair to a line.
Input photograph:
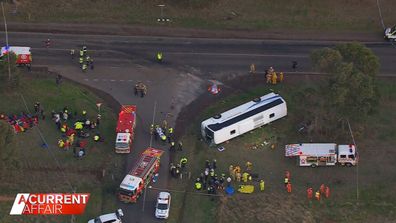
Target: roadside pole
[6,35]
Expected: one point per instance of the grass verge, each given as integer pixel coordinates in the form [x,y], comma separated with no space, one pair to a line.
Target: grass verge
[27,167]
[376,199]
[223,14]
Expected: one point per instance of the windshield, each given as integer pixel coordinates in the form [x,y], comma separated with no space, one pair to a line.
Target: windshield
[97,220]
[126,192]
[162,206]
[121,145]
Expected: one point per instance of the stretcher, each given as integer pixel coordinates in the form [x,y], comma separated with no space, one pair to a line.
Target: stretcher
[246,189]
[161,133]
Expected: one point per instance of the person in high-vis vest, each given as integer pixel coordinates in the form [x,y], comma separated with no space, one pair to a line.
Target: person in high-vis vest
[198,184]
[183,162]
[262,185]
[61,143]
[317,195]
[81,53]
[274,78]
[245,177]
[159,56]
[170,134]
[63,128]
[78,125]
[286,181]
[84,67]
[97,137]
[281,77]
[81,61]
[172,146]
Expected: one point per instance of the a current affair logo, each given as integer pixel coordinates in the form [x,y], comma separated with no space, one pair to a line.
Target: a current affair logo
[49,204]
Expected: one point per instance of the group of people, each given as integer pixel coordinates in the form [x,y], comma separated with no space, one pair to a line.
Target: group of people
[210,180]
[22,122]
[323,190]
[140,88]
[81,127]
[272,77]
[166,134]
[176,170]
[85,60]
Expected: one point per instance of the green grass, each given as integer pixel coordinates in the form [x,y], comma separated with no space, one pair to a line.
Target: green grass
[24,159]
[377,201]
[223,14]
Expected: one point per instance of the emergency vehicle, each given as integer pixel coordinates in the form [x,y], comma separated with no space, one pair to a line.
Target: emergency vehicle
[163,205]
[390,33]
[125,128]
[322,154]
[23,54]
[140,176]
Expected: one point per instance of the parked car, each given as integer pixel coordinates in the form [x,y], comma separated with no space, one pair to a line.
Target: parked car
[163,205]
[109,218]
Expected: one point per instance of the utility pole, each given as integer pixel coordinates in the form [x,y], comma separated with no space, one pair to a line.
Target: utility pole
[6,34]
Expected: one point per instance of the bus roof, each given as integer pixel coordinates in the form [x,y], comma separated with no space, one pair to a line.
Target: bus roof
[243,111]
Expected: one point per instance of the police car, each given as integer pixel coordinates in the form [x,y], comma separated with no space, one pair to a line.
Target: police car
[109,218]
[390,33]
[163,205]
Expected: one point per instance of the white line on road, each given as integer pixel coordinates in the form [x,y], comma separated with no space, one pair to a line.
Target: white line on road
[239,54]
[112,80]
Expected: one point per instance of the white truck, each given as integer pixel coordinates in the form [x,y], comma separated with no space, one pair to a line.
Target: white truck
[322,154]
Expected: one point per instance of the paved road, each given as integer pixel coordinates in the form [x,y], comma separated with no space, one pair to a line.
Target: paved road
[189,63]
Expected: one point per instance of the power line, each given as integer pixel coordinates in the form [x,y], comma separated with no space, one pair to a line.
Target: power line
[49,149]
[357,166]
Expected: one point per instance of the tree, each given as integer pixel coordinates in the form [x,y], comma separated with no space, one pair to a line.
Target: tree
[5,80]
[351,92]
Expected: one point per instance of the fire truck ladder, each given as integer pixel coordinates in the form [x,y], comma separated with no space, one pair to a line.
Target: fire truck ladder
[143,167]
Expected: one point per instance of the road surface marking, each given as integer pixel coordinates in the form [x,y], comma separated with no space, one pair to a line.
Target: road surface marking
[240,54]
[112,80]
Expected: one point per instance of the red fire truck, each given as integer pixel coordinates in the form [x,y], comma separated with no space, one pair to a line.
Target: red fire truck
[140,176]
[125,128]
[23,54]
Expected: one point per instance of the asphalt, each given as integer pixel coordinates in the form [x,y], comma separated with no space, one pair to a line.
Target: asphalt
[121,61]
